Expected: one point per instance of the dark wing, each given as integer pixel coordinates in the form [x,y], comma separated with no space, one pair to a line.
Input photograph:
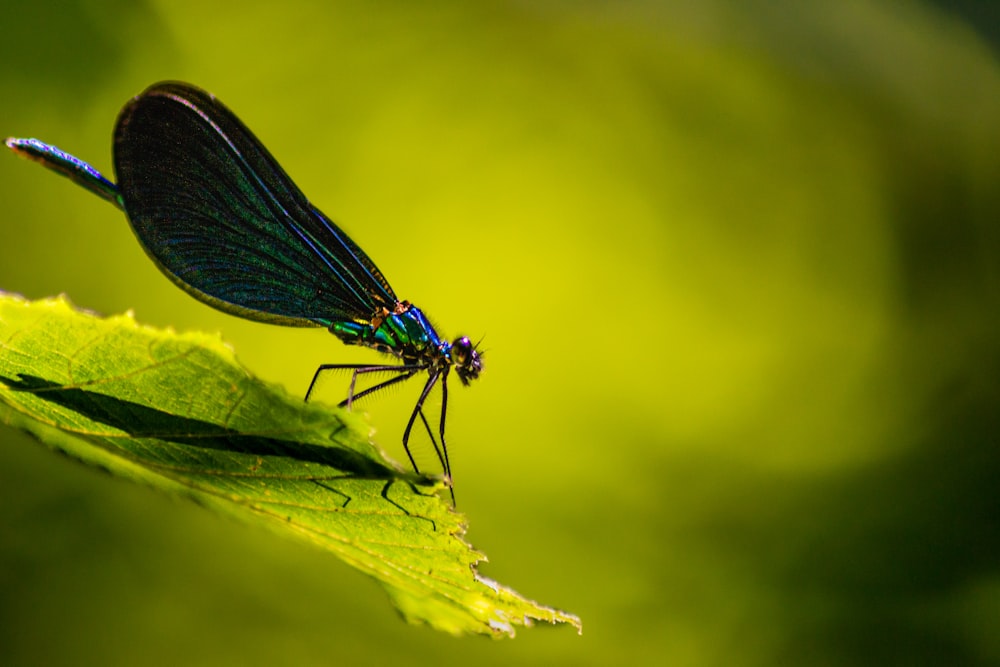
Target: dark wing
[221,218]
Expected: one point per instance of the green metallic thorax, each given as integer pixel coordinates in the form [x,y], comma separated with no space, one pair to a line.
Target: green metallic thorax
[407,335]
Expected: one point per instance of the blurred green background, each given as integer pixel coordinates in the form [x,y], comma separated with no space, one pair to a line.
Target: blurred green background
[737,266]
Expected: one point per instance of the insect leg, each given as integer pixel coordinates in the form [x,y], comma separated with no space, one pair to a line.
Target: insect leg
[363,368]
[430,434]
[444,446]
[417,410]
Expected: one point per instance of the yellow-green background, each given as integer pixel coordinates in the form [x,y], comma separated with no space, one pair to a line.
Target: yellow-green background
[737,266]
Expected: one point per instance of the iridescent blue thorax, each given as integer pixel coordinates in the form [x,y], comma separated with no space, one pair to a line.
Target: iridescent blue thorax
[406,334]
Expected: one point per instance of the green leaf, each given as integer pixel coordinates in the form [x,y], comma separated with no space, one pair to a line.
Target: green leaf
[178,412]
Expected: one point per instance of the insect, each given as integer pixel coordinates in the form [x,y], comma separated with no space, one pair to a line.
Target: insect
[218,215]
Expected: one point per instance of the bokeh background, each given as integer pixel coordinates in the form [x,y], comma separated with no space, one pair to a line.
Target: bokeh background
[736,267]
